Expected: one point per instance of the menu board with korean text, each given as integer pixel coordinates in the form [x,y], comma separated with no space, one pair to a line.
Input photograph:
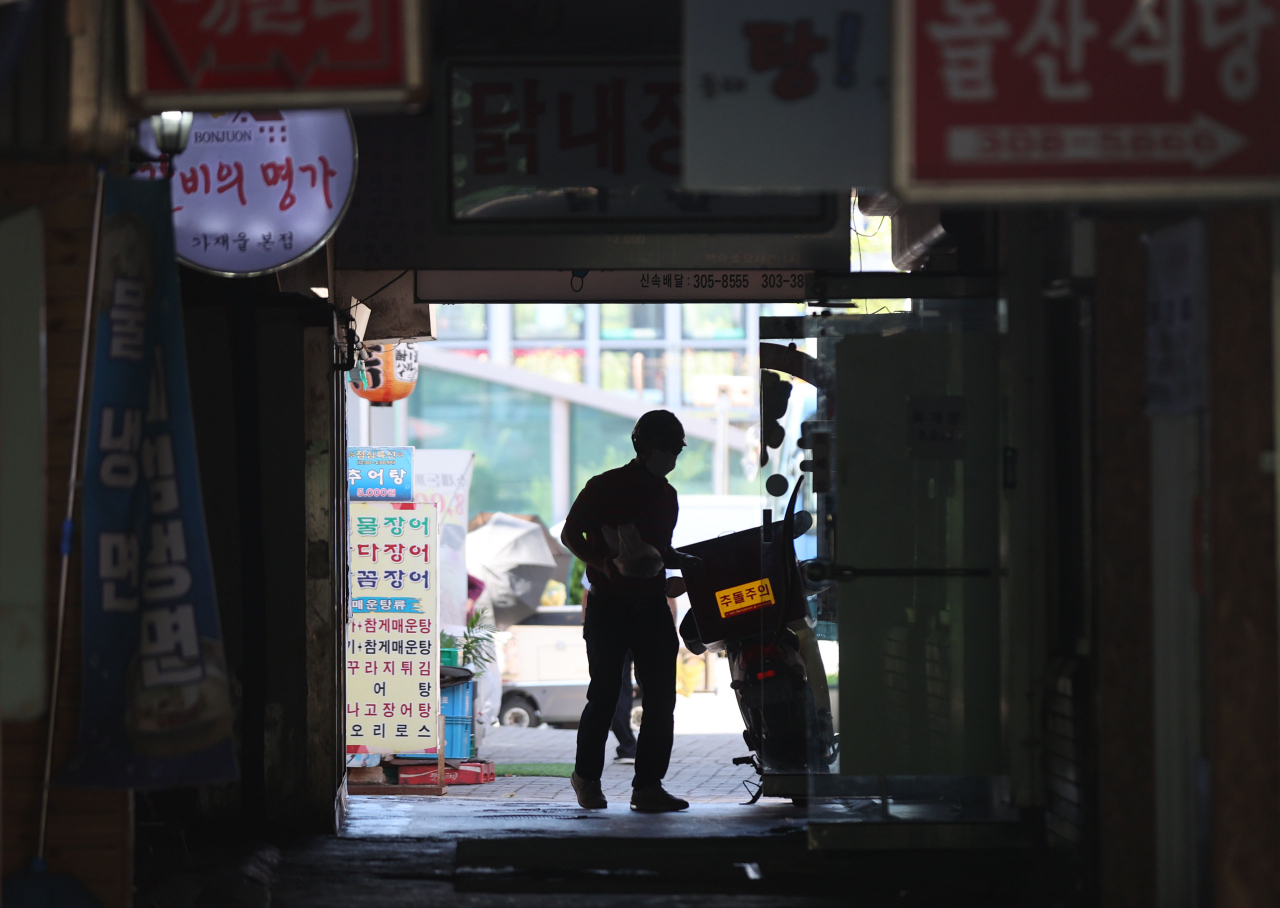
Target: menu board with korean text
[380,473]
[393,637]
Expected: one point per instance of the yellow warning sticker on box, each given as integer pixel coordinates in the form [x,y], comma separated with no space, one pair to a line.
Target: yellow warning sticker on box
[746,598]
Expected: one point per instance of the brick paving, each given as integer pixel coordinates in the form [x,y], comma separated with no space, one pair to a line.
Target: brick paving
[702,769]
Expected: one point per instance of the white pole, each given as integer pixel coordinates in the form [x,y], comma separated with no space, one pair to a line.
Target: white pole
[67,525]
[500,331]
[720,464]
[560,459]
[382,426]
[400,411]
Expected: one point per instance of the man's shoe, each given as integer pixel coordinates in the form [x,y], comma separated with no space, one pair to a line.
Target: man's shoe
[654,799]
[589,794]
[629,761]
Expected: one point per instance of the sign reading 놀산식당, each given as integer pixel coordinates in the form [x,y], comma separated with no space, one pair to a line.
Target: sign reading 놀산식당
[256,191]
[1086,99]
[393,634]
[155,702]
[379,474]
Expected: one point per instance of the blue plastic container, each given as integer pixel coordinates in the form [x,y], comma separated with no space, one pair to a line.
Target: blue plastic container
[457,700]
[457,737]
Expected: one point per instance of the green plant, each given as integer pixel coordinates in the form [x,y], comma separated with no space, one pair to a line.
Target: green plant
[477,640]
[448,641]
[575,583]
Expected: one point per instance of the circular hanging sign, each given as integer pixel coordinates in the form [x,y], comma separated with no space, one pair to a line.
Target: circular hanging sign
[256,191]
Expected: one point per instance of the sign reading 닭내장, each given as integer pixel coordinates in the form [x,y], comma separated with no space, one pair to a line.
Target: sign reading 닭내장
[393,633]
[746,598]
[585,142]
[256,191]
[379,474]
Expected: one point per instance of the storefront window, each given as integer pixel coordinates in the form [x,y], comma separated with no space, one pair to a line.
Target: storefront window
[509,430]
[714,321]
[631,321]
[548,321]
[560,363]
[709,373]
[602,441]
[639,373]
[461,321]
[782,309]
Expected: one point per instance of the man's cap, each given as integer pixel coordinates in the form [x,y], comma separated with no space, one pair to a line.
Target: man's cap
[658,429]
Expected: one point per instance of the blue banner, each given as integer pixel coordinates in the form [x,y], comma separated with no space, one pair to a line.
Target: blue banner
[155,704]
[380,474]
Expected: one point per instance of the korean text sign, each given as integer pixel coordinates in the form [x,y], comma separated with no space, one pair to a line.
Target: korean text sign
[555,125]
[786,97]
[380,474]
[256,191]
[584,141]
[213,54]
[442,477]
[393,634]
[156,708]
[748,597]
[1072,99]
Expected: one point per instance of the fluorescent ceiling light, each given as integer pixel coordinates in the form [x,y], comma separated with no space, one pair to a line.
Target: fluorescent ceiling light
[322,292]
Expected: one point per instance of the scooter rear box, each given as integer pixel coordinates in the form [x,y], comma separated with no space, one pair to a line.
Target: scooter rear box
[739,588]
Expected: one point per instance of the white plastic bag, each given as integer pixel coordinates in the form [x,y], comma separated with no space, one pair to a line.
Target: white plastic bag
[635,557]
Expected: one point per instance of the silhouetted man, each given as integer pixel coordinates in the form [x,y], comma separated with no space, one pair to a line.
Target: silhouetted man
[621,725]
[620,527]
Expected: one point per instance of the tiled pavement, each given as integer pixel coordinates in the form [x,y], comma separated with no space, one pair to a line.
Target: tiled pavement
[701,770]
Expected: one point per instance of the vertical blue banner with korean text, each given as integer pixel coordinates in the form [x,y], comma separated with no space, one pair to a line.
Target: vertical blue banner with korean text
[156,708]
[380,474]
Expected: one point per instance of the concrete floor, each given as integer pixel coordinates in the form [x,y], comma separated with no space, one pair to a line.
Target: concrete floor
[441,818]
[524,843]
[399,852]
[701,771]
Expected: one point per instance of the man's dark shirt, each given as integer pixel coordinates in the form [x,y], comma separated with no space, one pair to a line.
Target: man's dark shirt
[629,494]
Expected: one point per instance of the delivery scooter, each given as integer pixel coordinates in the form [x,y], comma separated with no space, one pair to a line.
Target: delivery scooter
[759,624]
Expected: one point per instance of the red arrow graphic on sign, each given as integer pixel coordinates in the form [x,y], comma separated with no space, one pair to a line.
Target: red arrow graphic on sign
[1201,143]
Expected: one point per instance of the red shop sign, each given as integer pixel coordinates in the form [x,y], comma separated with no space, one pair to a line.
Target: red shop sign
[1067,100]
[235,54]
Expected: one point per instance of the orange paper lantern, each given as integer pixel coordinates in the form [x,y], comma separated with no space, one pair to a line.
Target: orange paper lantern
[392,371]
